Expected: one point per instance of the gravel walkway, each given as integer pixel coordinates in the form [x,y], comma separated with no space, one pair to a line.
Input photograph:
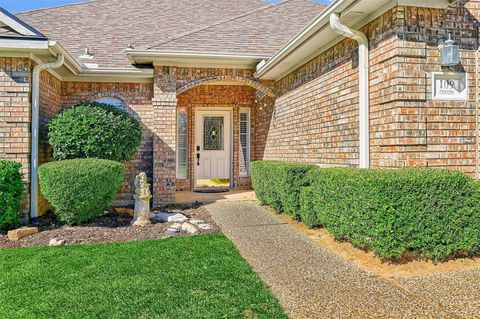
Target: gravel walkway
[313,282]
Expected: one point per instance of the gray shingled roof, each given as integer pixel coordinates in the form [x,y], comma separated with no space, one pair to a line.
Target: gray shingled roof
[106,27]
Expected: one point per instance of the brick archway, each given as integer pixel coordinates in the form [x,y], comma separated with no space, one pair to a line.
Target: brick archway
[226,78]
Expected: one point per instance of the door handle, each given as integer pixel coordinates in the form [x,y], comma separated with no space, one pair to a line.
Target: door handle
[198,159]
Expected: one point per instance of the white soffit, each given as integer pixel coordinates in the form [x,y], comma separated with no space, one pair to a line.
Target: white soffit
[193,59]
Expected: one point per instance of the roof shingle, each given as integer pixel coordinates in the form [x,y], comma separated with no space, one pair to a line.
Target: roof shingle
[106,27]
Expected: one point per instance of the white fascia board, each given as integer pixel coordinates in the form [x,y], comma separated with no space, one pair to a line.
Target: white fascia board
[190,59]
[11,44]
[56,48]
[16,24]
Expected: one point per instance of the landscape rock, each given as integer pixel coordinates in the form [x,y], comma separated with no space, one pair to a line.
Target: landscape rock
[205,226]
[172,231]
[169,217]
[19,233]
[176,226]
[197,221]
[54,242]
[189,228]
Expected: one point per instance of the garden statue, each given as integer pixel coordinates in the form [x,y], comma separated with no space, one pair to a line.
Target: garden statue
[142,201]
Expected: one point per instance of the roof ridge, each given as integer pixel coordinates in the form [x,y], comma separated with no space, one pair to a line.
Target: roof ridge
[57,6]
[242,15]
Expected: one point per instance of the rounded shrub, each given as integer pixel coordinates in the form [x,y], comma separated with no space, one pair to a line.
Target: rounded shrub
[94,130]
[80,190]
[11,191]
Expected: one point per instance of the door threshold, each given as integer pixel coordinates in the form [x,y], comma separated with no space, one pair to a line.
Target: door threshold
[211,190]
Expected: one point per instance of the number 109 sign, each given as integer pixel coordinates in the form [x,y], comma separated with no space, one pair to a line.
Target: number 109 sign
[450,86]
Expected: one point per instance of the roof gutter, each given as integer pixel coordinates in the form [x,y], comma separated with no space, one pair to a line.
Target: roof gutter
[363,90]
[35,131]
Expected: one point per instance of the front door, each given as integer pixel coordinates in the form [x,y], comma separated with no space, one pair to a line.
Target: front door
[212,148]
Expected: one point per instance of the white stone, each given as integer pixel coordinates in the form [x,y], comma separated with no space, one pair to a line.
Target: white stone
[172,231]
[189,228]
[169,218]
[205,226]
[197,221]
[176,226]
[57,242]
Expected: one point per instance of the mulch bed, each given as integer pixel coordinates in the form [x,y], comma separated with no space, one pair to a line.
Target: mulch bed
[108,228]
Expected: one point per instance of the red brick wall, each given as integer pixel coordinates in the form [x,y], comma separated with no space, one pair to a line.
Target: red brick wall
[315,116]
[419,131]
[15,77]
[138,100]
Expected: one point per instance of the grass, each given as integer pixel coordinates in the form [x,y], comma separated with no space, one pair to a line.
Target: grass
[189,277]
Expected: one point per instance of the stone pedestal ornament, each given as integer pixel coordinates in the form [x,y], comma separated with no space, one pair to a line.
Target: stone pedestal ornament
[142,201]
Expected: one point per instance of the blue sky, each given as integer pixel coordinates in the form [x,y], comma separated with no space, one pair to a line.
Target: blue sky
[23,5]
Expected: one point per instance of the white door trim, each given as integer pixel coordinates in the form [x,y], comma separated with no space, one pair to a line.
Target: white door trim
[197,111]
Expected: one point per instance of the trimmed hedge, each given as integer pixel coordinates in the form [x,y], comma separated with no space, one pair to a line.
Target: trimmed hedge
[278,184]
[427,213]
[94,130]
[80,190]
[11,192]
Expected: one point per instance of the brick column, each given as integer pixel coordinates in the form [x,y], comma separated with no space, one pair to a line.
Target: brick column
[164,144]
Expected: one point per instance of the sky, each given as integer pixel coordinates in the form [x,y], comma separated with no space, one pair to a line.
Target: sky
[24,5]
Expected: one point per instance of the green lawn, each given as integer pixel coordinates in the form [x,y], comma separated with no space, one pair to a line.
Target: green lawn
[189,277]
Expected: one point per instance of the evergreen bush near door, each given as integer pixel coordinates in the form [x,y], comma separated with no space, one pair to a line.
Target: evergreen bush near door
[11,191]
[94,130]
[423,212]
[80,190]
[278,184]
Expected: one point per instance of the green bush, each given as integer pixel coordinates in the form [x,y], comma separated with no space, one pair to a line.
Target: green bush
[422,212]
[11,192]
[278,184]
[94,130]
[80,190]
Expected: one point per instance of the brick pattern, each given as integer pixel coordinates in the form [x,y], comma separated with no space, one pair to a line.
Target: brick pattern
[50,105]
[15,111]
[422,132]
[164,143]
[315,116]
[138,100]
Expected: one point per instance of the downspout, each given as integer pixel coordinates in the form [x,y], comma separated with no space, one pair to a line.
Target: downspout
[35,132]
[364,95]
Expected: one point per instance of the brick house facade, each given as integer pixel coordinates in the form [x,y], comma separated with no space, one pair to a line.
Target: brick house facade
[301,92]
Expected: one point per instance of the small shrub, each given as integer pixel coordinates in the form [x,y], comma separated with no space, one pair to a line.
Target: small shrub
[423,212]
[94,130]
[80,190]
[11,192]
[278,184]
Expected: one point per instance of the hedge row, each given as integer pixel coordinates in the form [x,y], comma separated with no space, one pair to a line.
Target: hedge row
[80,189]
[425,213]
[11,192]
[278,184]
